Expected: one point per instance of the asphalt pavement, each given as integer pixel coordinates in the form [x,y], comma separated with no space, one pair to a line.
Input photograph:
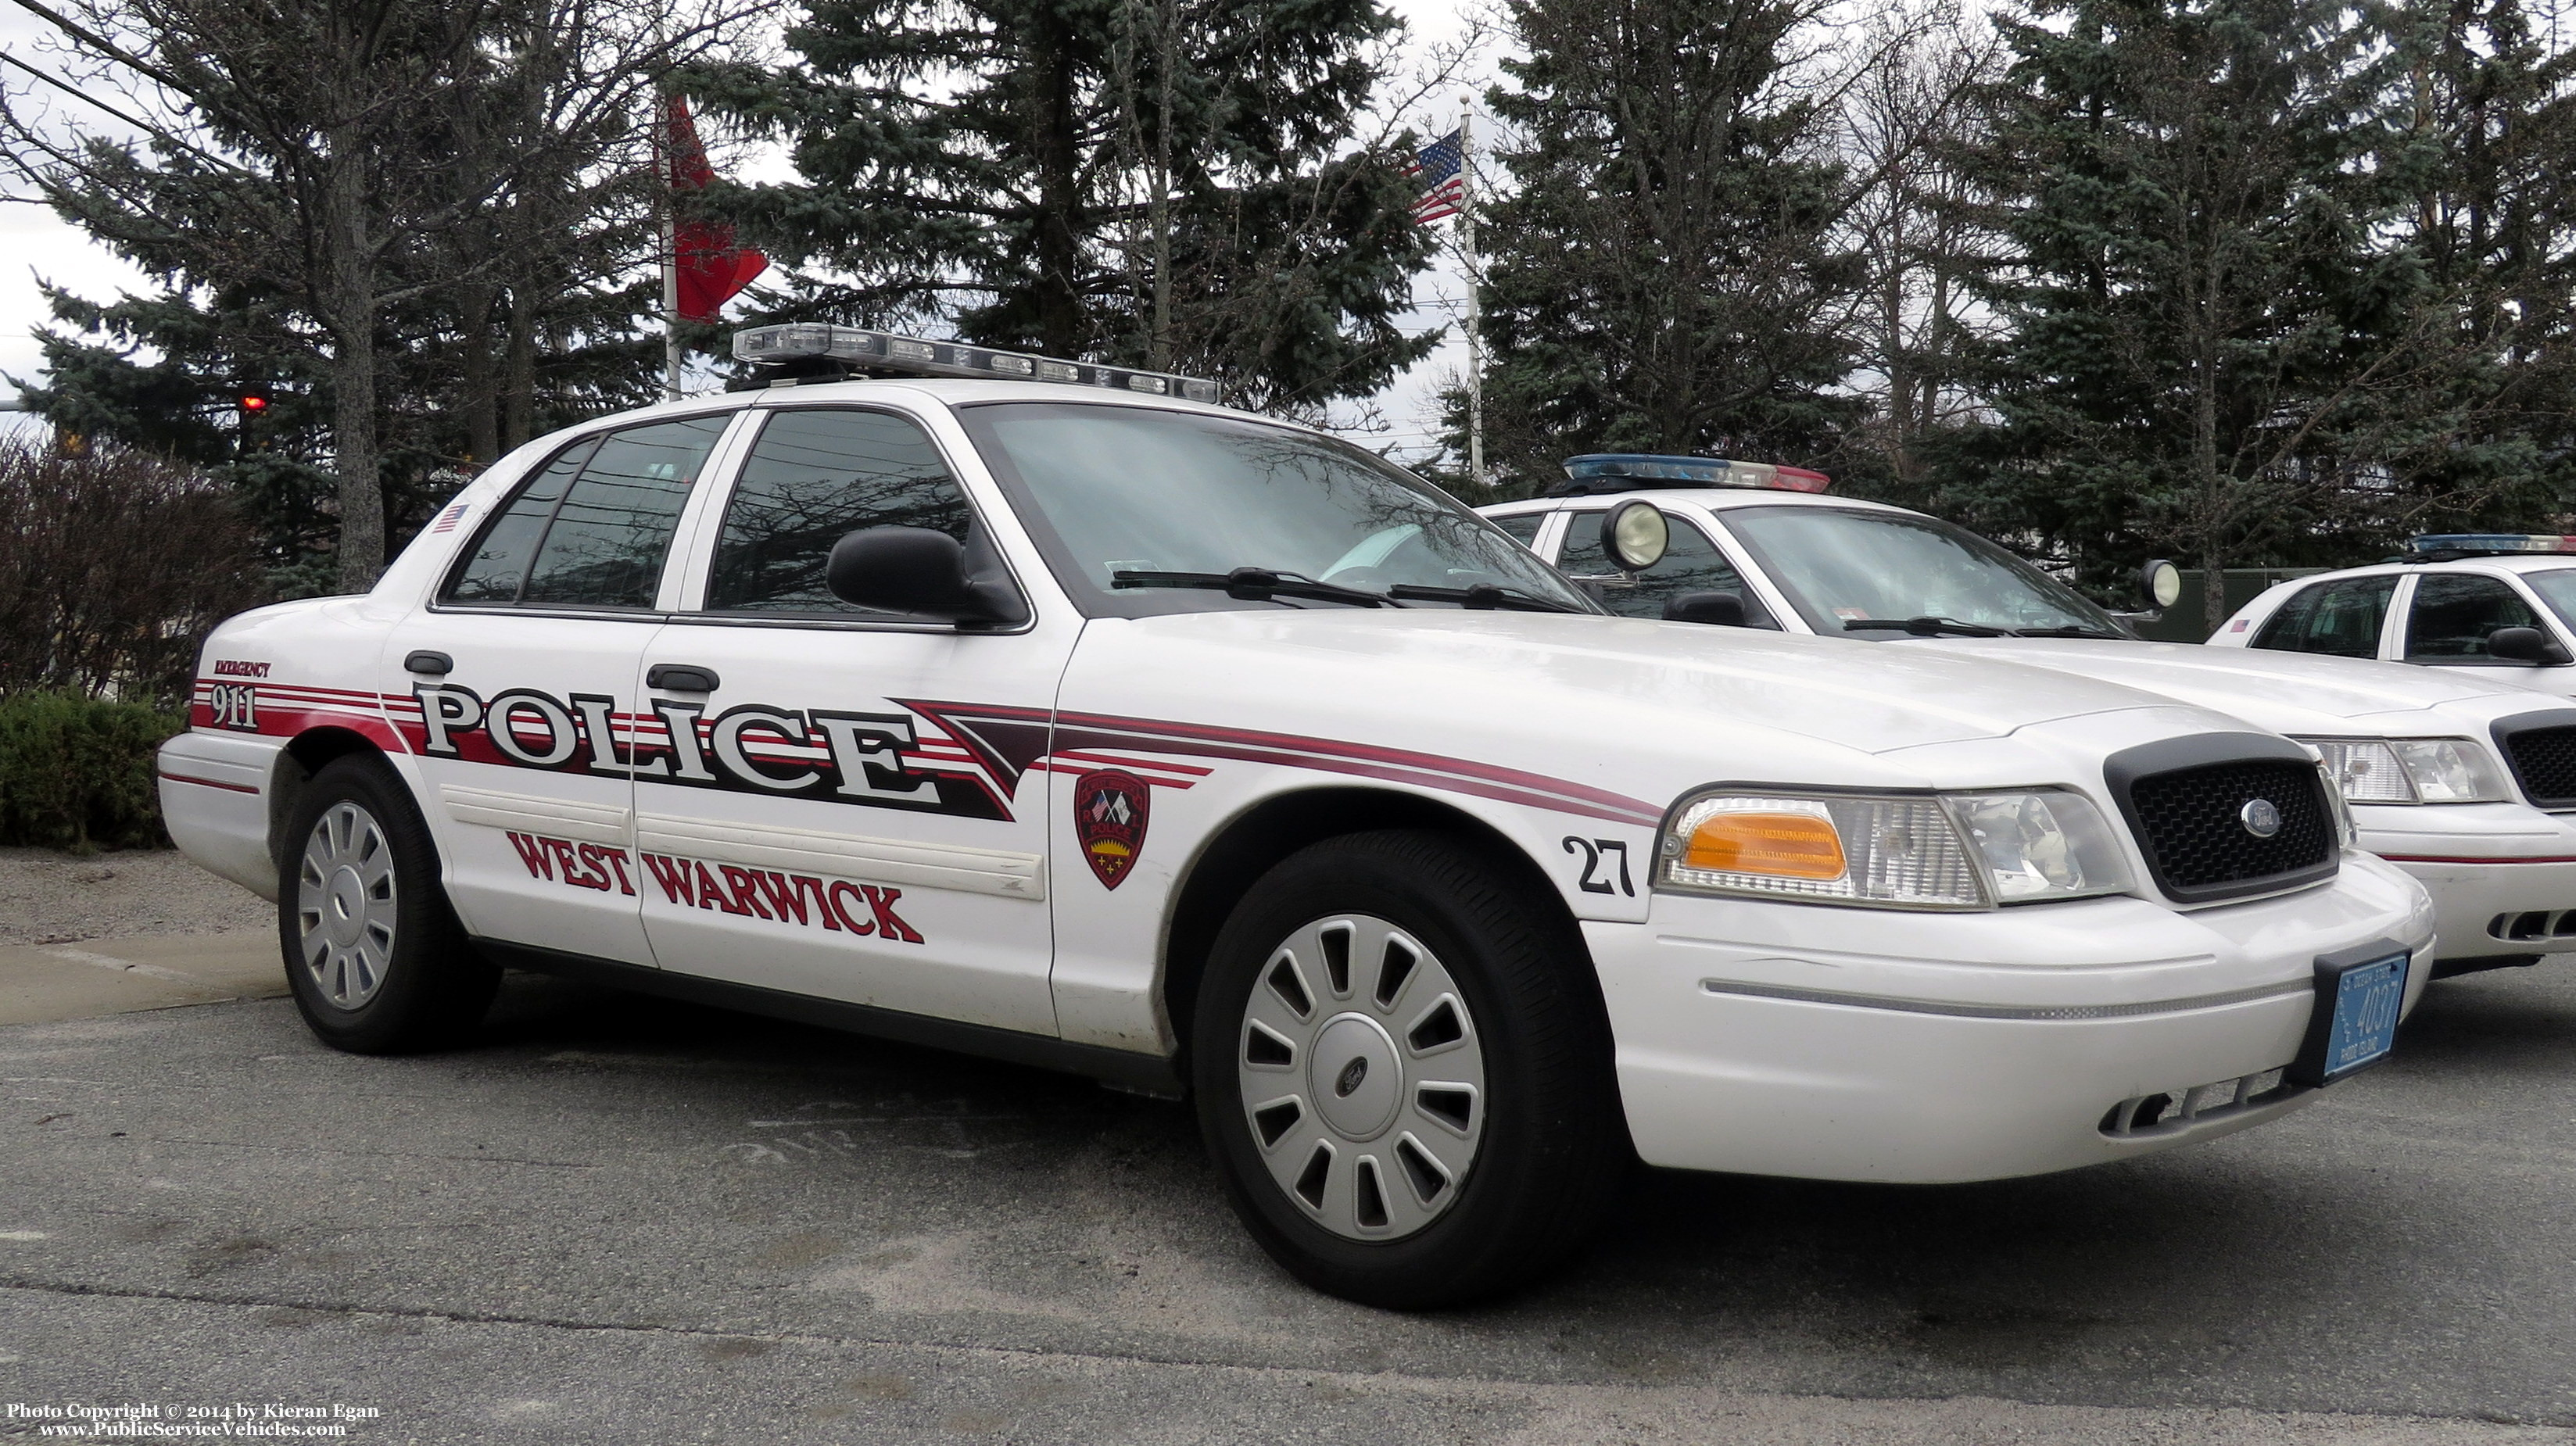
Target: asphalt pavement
[620,1220]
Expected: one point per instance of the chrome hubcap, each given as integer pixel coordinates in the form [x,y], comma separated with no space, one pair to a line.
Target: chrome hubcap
[344,905]
[1362,1077]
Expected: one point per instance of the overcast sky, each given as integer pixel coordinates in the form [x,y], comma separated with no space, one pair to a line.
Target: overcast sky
[33,245]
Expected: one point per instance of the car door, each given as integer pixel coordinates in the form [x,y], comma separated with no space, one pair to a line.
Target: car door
[806,821]
[2452,614]
[520,676]
[2342,618]
[1691,563]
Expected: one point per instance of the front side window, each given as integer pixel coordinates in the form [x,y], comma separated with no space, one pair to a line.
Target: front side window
[2454,612]
[814,477]
[1691,563]
[2340,619]
[1139,490]
[1860,573]
[592,527]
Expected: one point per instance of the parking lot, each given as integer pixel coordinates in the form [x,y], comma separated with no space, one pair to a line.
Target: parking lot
[622,1220]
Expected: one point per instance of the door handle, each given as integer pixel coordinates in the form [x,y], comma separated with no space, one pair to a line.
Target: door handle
[682,678]
[436,665]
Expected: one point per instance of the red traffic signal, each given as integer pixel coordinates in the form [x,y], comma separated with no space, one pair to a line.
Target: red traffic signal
[254,404]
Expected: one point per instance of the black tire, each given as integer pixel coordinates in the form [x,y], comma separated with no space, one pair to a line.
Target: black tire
[1553,1148]
[407,978]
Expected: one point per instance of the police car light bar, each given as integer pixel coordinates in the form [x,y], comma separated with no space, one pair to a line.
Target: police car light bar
[2491,543]
[821,341]
[1624,472]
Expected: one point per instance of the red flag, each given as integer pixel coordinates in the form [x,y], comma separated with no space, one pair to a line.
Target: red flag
[711,268]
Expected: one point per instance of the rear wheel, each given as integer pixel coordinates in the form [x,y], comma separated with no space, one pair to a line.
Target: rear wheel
[375,957]
[1402,1068]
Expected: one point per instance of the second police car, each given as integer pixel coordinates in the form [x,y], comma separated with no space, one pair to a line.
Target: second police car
[2464,779]
[1097,728]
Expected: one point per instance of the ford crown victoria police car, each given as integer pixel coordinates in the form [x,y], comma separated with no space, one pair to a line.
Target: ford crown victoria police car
[2463,780]
[1107,731]
[2494,604]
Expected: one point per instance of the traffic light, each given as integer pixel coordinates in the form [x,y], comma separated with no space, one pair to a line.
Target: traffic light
[249,405]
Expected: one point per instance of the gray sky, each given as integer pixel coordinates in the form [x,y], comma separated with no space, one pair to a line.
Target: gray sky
[33,245]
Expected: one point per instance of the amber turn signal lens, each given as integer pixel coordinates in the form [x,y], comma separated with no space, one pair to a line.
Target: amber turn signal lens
[1784,845]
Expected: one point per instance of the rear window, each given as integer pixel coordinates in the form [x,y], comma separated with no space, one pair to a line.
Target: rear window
[2340,619]
[592,528]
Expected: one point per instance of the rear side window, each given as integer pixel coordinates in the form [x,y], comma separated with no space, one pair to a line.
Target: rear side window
[1523,526]
[2454,612]
[815,477]
[592,528]
[1691,563]
[2342,619]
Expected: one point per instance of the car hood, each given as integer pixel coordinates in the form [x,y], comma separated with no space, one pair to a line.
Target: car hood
[1601,679]
[2294,693]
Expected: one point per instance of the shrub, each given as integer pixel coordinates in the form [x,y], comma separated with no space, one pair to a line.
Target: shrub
[76,773]
[113,567]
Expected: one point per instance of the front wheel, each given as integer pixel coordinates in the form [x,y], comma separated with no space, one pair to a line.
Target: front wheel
[376,959]
[1403,1070]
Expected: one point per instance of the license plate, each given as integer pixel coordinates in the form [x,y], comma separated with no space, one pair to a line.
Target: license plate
[2355,1023]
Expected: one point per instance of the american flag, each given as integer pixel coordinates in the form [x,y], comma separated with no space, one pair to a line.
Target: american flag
[1441,169]
[447,520]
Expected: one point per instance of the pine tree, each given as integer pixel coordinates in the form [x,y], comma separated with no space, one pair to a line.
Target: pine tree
[1668,276]
[1171,183]
[2486,107]
[330,196]
[2214,345]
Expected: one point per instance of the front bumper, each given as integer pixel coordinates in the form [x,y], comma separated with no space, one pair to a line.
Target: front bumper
[2502,876]
[1855,1044]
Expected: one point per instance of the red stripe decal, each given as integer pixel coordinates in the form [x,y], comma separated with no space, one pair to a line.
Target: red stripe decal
[2442,859]
[210,783]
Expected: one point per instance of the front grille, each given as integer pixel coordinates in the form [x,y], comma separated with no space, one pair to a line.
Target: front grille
[2544,763]
[2193,819]
[2187,801]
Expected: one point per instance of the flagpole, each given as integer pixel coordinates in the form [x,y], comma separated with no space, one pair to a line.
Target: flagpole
[670,272]
[1467,252]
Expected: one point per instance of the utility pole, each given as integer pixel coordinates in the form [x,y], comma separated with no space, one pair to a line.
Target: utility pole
[1467,256]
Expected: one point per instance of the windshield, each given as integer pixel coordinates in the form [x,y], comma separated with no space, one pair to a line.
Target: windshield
[2557,587]
[1109,489]
[1840,566]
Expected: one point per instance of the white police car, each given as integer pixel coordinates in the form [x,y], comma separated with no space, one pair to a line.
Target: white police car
[2464,780]
[2498,603]
[1093,728]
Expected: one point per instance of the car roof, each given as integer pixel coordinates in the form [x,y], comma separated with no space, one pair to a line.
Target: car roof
[2523,563]
[1712,499]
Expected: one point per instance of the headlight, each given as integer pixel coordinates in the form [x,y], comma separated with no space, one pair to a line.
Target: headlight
[2412,770]
[1962,851]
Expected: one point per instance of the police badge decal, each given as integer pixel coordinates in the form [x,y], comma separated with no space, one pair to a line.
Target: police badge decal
[1109,810]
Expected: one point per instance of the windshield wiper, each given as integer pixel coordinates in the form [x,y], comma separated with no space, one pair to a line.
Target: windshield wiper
[1256,584]
[1927,627]
[1480,597]
[2070,631]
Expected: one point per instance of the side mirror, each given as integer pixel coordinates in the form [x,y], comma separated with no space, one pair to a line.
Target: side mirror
[2160,583]
[1636,534]
[915,570]
[1725,609]
[2526,645]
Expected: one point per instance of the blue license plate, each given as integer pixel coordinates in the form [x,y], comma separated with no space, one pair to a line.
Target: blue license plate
[2365,1000]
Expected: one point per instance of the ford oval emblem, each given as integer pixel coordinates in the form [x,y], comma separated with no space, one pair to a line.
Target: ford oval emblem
[2260,817]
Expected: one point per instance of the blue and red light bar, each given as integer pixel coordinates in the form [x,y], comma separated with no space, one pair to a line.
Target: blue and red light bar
[815,341]
[2491,544]
[1629,472]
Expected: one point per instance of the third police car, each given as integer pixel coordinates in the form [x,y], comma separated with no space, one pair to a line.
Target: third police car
[1035,708]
